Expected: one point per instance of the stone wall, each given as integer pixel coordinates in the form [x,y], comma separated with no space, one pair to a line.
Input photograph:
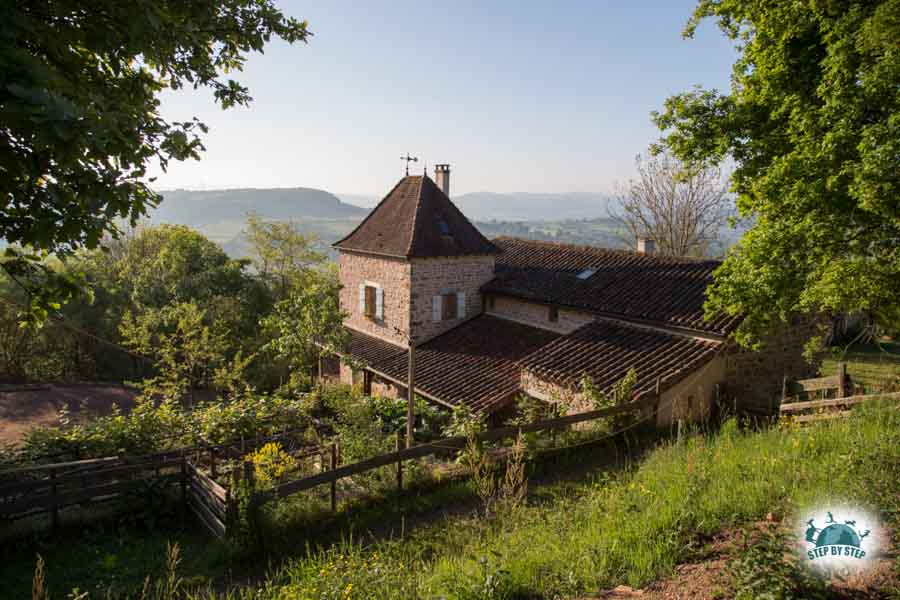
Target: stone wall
[692,399]
[393,275]
[387,389]
[537,315]
[754,379]
[435,276]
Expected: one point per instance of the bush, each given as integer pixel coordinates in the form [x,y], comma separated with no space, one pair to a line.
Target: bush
[151,427]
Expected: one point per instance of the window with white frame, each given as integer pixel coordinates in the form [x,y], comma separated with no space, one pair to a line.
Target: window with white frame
[371,301]
[448,306]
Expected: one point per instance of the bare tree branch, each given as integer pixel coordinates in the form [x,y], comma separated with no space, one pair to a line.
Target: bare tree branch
[680,207]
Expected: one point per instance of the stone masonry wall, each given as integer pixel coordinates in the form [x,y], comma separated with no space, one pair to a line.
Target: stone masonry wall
[393,275]
[433,276]
[536,315]
[754,379]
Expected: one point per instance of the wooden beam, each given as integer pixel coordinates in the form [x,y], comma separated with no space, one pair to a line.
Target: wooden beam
[850,400]
[811,385]
[821,416]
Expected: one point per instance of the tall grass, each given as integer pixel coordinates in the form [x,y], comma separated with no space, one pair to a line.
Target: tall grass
[630,529]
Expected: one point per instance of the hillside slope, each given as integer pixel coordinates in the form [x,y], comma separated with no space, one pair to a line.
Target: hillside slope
[198,208]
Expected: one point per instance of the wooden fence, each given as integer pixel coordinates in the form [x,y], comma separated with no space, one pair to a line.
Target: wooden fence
[838,385]
[29,491]
[49,488]
[830,408]
[398,457]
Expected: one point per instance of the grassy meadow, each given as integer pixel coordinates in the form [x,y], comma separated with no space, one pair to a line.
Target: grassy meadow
[869,364]
[611,526]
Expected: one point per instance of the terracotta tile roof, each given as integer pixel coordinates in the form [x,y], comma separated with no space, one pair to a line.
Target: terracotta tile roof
[370,349]
[653,288]
[474,364]
[416,220]
[605,351]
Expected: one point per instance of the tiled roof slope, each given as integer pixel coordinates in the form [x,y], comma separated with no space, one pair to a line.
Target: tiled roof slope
[474,364]
[605,351]
[665,290]
[370,349]
[416,220]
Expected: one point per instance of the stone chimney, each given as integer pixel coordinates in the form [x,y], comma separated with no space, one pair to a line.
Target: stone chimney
[646,246]
[442,178]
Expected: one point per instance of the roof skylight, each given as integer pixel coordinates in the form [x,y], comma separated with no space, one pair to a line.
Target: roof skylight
[586,273]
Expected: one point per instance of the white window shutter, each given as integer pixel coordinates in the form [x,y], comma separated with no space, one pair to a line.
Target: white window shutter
[436,308]
[460,305]
[379,303]
[362,298]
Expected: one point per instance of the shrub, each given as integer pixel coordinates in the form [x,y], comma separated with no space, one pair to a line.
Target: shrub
[765,569]
[271,464]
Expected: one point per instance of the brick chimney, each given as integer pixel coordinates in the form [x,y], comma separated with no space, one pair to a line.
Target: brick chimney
[646,246]
[442,178]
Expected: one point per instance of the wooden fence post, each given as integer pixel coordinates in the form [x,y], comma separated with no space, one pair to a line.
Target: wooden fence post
[250,476]
[842,379]
[184,479]
[397,446]
[54,516]
[334,464]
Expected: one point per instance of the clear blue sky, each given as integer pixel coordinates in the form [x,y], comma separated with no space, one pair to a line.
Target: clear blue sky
[516,96]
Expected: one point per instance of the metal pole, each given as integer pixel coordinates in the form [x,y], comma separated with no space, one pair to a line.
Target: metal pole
[410,394]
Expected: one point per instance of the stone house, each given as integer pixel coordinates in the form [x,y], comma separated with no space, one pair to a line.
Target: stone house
[490,320]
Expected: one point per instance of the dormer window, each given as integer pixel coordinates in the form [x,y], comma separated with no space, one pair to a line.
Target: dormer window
[586,273]
[443,227]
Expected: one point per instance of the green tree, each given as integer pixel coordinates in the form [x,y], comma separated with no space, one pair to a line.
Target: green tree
[307,322]
[173,264]
[185,350]
[812,125]
[79,103]
[281,254]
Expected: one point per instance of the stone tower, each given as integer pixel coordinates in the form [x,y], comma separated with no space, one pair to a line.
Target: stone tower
[414,267]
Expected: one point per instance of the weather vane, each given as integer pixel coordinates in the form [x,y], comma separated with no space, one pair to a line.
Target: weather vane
[408,160]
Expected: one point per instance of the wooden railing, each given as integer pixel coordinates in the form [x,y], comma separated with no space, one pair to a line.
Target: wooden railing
[62,485]
[830,408]
[29,491]
[441,446]
[50,488]
[838,385]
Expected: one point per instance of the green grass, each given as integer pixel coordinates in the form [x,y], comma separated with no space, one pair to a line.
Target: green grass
[575,537]
[108,560]
[870,364]
[631,529]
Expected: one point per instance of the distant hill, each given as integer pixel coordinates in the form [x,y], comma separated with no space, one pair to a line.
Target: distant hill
[527,206]
[199,208]
[221,215]
[517,206]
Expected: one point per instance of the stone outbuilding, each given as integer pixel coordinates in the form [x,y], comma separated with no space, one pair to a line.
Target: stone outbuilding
[491,320]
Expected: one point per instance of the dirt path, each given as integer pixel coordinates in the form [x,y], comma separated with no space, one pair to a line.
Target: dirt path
[708,579]
[27,406]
